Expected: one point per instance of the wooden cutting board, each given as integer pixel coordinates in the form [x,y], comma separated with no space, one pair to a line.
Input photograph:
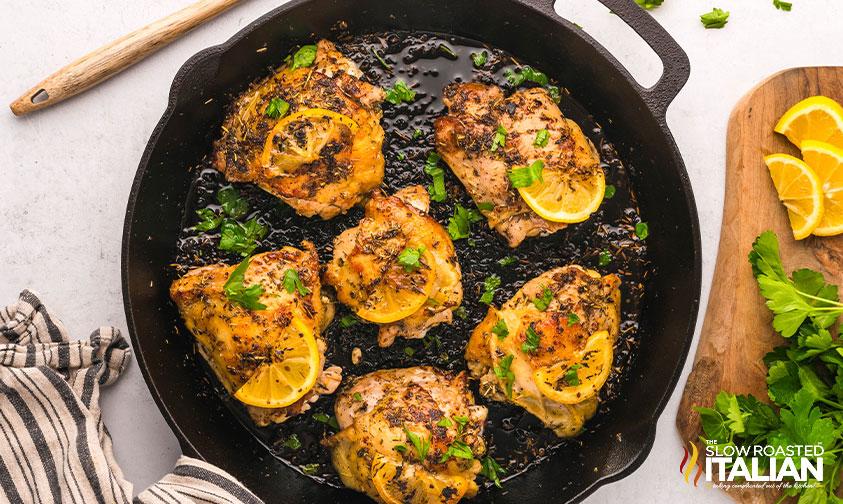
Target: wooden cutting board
[737,329]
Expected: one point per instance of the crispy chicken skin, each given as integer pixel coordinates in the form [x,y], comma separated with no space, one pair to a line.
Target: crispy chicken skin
[363,254]
[594,299]
[320,167]
[374,410]
[235,341]
[464,139]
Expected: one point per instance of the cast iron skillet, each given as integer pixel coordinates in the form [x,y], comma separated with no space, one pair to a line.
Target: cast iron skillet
[632,117]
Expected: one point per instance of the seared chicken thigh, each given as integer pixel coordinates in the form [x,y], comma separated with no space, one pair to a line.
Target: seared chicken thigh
[400,430]
[310,135]
[398,268]
[466,140]
[237,341]
[549,348]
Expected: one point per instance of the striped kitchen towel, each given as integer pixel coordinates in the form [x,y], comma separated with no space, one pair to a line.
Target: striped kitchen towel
[54,446]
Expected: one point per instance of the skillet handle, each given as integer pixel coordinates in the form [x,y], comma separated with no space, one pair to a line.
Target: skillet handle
[677,67]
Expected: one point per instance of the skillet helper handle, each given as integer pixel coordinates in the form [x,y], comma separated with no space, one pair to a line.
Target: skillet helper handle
[677,67]
[109,60]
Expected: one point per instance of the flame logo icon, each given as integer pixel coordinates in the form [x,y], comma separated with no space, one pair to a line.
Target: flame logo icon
[686,470]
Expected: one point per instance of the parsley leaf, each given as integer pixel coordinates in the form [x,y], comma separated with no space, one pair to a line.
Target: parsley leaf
[304,57]
[478,58]
[531,343]
[292,282]
[642,230]
[381,60]
[609,193]
[310,469]
[277,108]
[409,258]
[293,442]
[544,301]
[649,4]
[785,6]
[490,470]
[458,449]
[349,320]
[401,448]
[500,329]
[541,138]
[459,226]
[422,444]
[461,313]
[489,285]
[500,138]
[236,292]
[241,238]
[210,220]
[330,420]
[527,175]
[572,319]
[417,134]
[400,93]
[571,376]
[232,203]
[525,74]
[502,372]
[485,205]
[554,93]
[431,167]
[717,18]
[445,422]
[508,260]
[604,258]
[357,397]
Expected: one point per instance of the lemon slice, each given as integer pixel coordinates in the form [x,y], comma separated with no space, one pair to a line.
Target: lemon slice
[411,484]
[816,118]
[565,197]
[827,162]
[800,190]
[595,363]
[292,143]
[399,293]
[284,381]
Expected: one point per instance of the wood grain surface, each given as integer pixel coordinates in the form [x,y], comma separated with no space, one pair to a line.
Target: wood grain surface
[737,330]
[124,52]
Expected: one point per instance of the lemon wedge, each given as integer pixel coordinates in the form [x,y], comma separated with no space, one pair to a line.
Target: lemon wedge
[816,118]
[827,162]
[565,197]
[284,381]
[292,142]
[570,382]
[399,293]
[411,484]
[799,190]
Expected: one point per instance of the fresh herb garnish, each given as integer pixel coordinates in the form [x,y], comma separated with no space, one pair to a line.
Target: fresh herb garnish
[409,258]
[572,319]
[571,376]
[330,420]
[231,202]
[401,156]
[293,442]
[642,230]
[506,261]
[531,342]
[717,18]
[277,108]
[649,4]
[459,226]
[527,73]
[458,448]
[460,312]
[500,138]
[502,372]
[785,6]
[609,193]
[304,57]
[409,351]
[604,258]
[489,285]
[491,469]
[554,93]
[210,220]
[236,292]
[381,60]
[422,444]
[357,397]
[349,320]
[447,50]
[400,93]
[500,329]
[293,283]
[310,469]
[445,422]
[541,138]
[527,175]
[417,134]
[544,301]
[241,238]
[431,167]
[485,205]
[479,58]
[401,448]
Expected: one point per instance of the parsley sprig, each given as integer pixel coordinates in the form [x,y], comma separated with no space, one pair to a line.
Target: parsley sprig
[237,292]
[502,372]
[293,283]
[421,443]
[717,18]
[491,469]
[400,93]
[526,175]
[431,167]
[490,284]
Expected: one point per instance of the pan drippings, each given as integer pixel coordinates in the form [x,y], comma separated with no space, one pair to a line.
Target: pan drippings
[428,62]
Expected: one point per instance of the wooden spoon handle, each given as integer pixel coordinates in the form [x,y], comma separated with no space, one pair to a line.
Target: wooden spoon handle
[109,60]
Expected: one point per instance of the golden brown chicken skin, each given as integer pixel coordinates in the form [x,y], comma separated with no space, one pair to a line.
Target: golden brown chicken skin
[366,267]
[581,304]
[236,341]
[323,154]
[374,453]
[465,139]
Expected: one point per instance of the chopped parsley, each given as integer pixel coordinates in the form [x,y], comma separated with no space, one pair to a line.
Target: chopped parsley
[459,226]
[357,397]
[642,230]
[417,133]
[527,175]
[381,60]
[210,220]
[502,372]
[500,329]
[310,469]
[489,285]
[401,156]
[458,448]
[717,18]
[330,420]
[409,258]
[649,4]
[572,319]
[349,320]
[431,167]
[400,93]
[554,93]
[445,422]
[277,108]
[604,258]
[516,78]
[571,376]
[241,238]
[447,50]
[508,260]
[401,448]
[231,202]
[236,292]
[491,469]
[609,193]
[479,59]
[304,57]
[422,444]
[293,442]
[292,282]
[541,138]
[544,301]
[785,6]
[500,138]
[409,351]
[460,312]
[531,343]
[485,205]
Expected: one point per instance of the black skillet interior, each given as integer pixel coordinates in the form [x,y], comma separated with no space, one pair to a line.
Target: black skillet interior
[632,118]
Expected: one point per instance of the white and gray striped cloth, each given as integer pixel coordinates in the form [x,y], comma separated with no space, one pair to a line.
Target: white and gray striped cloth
[54,446]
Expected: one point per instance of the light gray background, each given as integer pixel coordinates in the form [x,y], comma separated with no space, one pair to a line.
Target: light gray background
[65,173]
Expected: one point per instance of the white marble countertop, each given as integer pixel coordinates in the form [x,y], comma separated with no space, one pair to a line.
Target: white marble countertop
[67,171]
